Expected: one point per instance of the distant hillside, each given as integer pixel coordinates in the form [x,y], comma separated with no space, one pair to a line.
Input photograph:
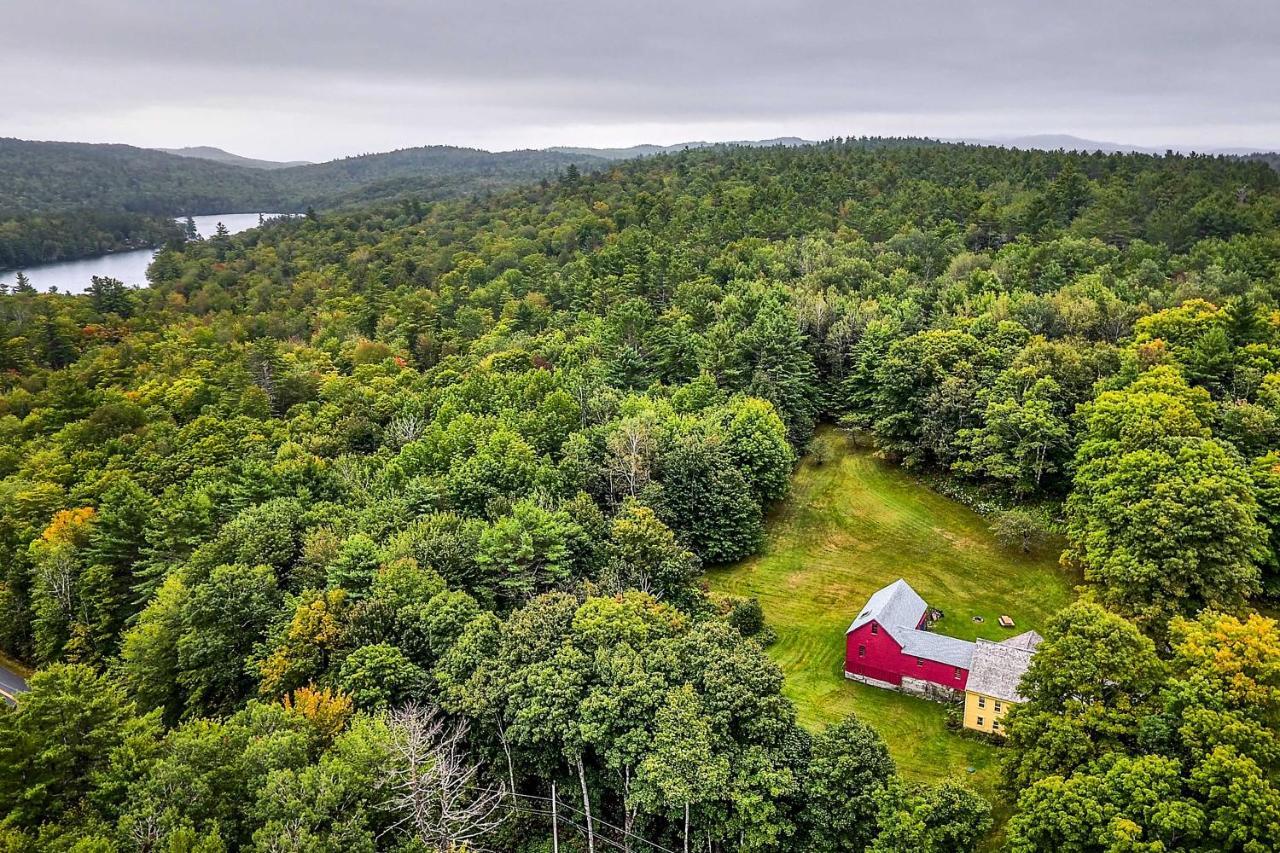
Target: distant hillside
[1271,158]
[63,200]
[1067,142]
[217,155]
[650,150]
[371,176]
[43,177]
[1055,141]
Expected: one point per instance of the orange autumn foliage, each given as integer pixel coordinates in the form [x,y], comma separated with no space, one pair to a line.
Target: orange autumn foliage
[326,710]
[69,525]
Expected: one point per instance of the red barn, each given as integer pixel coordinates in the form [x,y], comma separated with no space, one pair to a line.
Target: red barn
[889,645]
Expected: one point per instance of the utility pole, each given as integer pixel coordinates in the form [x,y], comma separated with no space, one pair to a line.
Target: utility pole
[555,823]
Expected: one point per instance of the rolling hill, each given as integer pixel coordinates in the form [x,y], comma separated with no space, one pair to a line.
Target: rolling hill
[63,200]
[217,155]
[651,150]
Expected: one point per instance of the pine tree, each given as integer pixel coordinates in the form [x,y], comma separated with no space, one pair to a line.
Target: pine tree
[1243,323]
[23,284]
[110,296]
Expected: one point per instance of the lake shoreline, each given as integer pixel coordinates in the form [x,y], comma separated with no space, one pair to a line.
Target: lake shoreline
[134,247]
[72,276]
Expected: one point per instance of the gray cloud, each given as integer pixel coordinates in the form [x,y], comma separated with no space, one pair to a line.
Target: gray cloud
[322,78]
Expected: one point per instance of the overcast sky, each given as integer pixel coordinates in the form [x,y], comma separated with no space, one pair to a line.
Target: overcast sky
[315,79]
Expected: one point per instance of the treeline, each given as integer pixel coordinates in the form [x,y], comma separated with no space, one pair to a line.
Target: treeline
[1124,745]
[325,478]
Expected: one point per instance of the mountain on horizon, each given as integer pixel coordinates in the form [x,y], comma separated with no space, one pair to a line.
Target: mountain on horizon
[1035,141]
[217,155]
[1068,142]
[649,150]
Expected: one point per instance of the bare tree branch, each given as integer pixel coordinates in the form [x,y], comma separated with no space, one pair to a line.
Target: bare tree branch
[431,783]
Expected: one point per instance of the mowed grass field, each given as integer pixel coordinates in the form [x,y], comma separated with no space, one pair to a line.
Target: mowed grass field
[850,526]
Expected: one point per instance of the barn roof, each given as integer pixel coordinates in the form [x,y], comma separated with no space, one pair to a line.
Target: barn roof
[1025,640]
[899,608]
[998,667]
[937,647]
[893,606]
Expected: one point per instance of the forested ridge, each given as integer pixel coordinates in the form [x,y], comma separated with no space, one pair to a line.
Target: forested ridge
[350,512]
[63,200]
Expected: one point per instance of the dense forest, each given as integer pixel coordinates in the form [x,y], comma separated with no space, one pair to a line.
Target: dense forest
[379,529]
[45,237]
[63,200]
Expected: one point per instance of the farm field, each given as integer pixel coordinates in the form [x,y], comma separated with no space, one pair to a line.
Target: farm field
[851,525]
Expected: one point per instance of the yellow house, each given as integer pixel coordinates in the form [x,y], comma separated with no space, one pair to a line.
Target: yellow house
[994,677]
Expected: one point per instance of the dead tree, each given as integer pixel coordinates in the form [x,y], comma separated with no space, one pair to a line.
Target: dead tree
[431,785]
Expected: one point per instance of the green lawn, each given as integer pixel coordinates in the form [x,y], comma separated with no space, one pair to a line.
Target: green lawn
[849,527]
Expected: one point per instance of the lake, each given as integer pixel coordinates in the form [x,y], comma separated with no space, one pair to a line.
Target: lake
[129,267]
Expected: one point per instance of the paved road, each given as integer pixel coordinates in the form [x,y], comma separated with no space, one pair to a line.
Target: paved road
[11,683]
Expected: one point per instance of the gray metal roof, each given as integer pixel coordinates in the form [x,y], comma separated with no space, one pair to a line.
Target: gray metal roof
[937,647]
[895,605]
[998,667]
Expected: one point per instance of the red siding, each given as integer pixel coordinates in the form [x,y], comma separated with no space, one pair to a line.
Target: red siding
[883,660]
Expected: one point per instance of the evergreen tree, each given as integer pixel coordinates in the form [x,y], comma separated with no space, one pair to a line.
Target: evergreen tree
[110,296]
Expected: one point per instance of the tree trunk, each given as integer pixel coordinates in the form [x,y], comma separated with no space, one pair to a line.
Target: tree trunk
[555,822]
[511,770]
[586,807]
[686,828]
[628,813]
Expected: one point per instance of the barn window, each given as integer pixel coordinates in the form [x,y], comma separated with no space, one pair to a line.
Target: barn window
[875,629]
[982,701]
[919,661]
[957,672]
[862,651]
[979,721]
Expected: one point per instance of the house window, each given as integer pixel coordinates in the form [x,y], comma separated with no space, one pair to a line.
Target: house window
[875,629]
[957,672]
[919,661]
[982,701]
[862,651]
[979,721]
[997,707]
[995,726]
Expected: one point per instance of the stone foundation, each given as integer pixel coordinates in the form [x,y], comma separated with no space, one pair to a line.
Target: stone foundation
[912,687]
[929,690]
[866,679]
